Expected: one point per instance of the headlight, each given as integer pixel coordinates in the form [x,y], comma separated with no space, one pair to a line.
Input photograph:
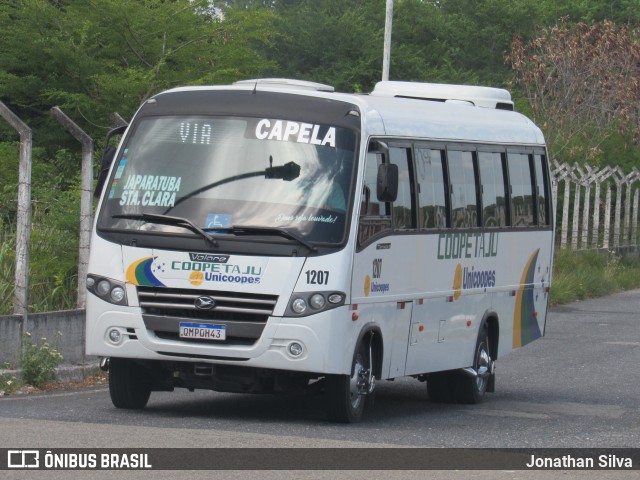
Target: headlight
[318,301]
[108,290]
[299,306]
[117,294]
[103,287]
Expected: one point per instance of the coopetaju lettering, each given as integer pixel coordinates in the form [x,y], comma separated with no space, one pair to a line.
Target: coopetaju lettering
[467,245]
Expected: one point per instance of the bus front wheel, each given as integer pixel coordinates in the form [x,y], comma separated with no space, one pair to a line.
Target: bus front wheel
[127,384]
[348,395]
[472,389]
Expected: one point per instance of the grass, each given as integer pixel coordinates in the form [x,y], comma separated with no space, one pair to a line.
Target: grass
[52,272]
[7,269]
[588,274]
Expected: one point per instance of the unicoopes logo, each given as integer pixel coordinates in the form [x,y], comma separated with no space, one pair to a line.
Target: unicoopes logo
[468,278]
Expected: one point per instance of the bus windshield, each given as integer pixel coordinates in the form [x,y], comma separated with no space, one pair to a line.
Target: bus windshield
[219,173]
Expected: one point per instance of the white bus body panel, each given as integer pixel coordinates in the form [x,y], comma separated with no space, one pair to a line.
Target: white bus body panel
[430,293]
[278,276]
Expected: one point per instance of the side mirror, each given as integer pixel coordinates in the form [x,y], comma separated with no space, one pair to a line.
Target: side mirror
[387,185]
[107,159]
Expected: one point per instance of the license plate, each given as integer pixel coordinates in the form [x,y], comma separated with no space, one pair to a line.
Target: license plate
[203,331]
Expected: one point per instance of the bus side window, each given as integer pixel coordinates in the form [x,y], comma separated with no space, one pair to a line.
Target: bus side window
[375,216]
[521,189]
[431,191]
[542,187]
[493,198]
[464,208]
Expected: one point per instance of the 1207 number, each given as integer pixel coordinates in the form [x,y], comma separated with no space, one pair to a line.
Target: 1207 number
[317,277]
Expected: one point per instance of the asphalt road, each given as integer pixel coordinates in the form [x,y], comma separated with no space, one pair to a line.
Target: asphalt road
[576,387]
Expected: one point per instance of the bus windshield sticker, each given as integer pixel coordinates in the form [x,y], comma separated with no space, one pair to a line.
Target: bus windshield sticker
[289,131]
[150,190]
[121,165]
[306,218]
[218,220]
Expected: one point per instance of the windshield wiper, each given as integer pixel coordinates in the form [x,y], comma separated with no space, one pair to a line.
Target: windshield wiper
[167,220]
[288,172]
[248,230]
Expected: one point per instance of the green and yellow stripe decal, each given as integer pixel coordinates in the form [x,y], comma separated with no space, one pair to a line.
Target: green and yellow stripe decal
[525,323]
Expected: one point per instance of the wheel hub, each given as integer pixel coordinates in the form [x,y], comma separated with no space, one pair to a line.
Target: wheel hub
[485,368]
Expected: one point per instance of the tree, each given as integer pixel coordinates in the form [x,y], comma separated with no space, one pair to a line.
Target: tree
[331,41]
[583,84]
[94,57]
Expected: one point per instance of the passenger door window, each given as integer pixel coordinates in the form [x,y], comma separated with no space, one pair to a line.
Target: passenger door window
[375,216]
[403,211]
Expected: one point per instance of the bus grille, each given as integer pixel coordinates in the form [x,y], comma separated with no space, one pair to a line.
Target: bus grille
[244,315]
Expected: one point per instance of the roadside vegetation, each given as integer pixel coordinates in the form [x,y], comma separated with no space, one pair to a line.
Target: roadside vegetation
[38,364]
[586,274]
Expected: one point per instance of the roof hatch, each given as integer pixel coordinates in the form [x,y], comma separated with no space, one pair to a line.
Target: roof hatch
[486,97]
[286,83]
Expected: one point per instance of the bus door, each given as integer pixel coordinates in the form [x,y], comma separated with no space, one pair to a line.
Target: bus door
[385,274]
[377,292]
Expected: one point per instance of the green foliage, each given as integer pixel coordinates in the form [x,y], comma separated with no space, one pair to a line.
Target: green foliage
[39,362]
[55,217]
[586,274]
[94,58]
[7,271]
[332,41]
[8,383]
[477,33]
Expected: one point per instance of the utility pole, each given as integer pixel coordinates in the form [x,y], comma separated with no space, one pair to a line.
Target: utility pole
[386,58]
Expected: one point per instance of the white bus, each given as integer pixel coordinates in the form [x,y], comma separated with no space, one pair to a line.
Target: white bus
[277,236]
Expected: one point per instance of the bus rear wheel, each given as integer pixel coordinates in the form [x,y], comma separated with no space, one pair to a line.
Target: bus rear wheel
[127,384]
[347,396]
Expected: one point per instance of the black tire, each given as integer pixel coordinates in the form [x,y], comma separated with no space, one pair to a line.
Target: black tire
[128,386]
[470,389]
[344,403]
[440,387]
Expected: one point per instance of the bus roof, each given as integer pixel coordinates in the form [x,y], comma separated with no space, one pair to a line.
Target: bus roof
[415,116]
